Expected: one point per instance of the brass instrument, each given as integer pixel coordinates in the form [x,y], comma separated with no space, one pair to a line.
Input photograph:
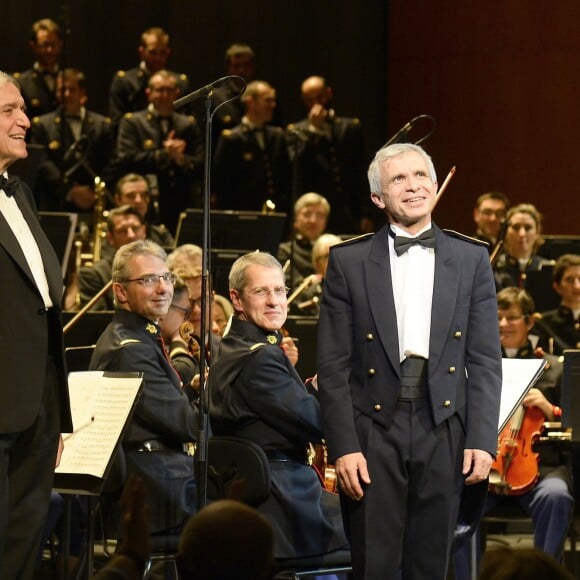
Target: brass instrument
[308,281]
[88,258]
[268,206]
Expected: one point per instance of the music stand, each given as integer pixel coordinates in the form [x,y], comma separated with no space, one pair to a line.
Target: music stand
[539,286]
[555,246]
[60,228]
[571,393]
[234,230]
[305,329]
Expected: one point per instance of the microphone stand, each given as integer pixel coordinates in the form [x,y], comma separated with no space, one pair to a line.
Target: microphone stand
[200,457]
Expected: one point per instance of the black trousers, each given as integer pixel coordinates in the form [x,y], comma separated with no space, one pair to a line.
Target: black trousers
[403,526]
[27,461]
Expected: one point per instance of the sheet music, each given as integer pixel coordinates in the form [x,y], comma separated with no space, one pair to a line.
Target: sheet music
[519,376]
[100,404]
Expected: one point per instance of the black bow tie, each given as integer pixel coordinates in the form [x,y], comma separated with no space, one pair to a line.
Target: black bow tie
[9,185]
[403,243]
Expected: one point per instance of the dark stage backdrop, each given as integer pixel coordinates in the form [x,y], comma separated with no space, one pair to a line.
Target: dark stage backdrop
[502,80]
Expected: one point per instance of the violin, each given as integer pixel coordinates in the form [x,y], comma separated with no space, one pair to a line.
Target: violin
[326,471]
[187,335]
[515,469]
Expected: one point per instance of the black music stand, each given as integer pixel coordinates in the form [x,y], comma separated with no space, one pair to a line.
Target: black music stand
[234,230]
[555,246]
[60,228]
[539,286]
[72,477]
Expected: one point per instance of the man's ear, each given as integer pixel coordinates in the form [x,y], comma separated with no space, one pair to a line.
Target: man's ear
[120,293]
[378,200]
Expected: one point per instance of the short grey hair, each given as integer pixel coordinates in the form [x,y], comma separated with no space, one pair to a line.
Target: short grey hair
[238,278]
[187,251]
[311,198]
[127,252]
[7,78]
[386,153]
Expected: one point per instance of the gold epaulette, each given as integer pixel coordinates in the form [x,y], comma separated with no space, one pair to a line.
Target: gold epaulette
[354,240]
[465,238]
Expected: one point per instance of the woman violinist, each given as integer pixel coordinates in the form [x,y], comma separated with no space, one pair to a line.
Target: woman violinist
[549,500]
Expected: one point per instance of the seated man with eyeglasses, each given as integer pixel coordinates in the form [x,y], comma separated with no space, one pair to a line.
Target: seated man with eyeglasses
[548,501]
[256,394]
[489,214]
[158,444]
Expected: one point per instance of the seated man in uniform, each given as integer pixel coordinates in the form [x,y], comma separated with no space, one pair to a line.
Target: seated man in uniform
[158,445]
[548,502]
[124,225]
[562,325]
[256,394]
[133,189]
[311,212]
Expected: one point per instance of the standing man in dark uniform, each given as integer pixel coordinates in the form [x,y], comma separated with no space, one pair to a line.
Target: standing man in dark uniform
[128,92]
[75,156]
[256,394]
[160,141]
[38,83]
[158,445]
[251,162]
[34,404]
[409,372]
[330,156]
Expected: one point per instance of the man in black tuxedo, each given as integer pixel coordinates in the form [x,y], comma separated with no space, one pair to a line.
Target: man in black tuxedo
[409,374]
[34,404]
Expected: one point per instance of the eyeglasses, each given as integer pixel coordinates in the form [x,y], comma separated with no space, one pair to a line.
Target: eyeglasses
[186,311]
[151,280]
[510,318]
[261,292]
[499,213]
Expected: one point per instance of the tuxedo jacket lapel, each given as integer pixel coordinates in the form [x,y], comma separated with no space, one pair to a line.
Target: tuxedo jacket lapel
[445,288]
[379,285]
[10,243]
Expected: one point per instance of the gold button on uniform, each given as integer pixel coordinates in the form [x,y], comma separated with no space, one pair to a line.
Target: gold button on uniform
[370,336]
[371,372]
[447,403]
[457,334]
[451,370]
[378,407]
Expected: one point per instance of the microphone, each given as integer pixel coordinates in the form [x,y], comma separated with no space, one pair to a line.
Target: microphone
[240,84]
[404,130]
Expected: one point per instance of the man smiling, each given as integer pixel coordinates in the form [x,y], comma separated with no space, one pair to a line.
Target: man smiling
[409,372]
[159,437]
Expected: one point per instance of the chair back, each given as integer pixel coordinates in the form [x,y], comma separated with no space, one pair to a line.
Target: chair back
[233,459]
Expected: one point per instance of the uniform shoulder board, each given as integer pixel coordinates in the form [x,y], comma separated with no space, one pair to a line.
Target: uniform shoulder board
[121,73]
[465,238]
[354,240]
[129,341]
[257,346]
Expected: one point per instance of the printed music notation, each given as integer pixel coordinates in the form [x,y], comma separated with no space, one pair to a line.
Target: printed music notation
[101,404]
